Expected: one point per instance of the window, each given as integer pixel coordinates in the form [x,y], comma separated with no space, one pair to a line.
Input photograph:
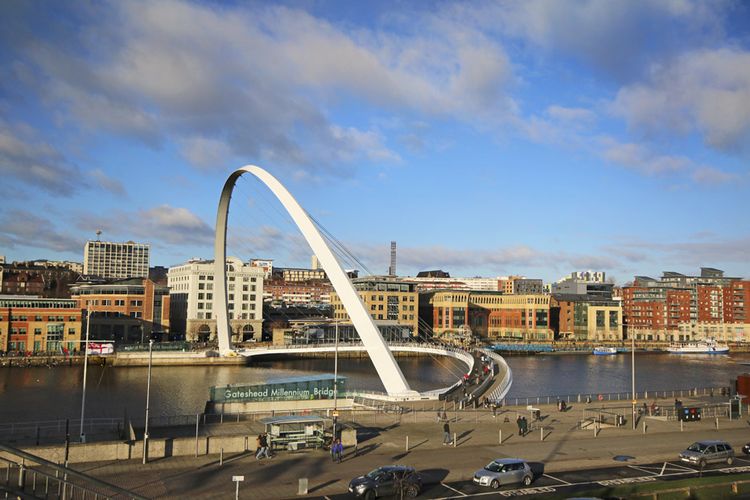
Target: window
[200,305]
[39,318]
[136,303]
[201,286]
[71,331]
[120,302]
[201,296]
[244,287]
[244,296]
[37,331]
[106,302]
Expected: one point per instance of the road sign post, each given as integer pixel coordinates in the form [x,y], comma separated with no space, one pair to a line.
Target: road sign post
[237,480]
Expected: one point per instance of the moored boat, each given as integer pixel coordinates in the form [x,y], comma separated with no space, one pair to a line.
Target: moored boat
[604,351]
[700,347]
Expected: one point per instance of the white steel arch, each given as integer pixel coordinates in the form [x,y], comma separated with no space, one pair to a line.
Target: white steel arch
[381,356]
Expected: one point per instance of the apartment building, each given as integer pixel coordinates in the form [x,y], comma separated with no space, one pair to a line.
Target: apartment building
[584,317]
[191,288]
[116,260]
[37,324]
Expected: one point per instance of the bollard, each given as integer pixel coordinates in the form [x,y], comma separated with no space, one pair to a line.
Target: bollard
[407,443]
[644,427]
[454,439]
[541,433]
[717,423]
[197,422]
[245,444]
[221,457]
[681,425]
[500,436]
[302,486]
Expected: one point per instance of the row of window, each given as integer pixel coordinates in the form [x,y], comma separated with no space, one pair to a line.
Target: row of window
[37,331]
[41,318]
[208,315]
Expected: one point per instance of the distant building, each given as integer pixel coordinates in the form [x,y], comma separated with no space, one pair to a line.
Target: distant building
[586,317]
[42,278]
[35,324]
[116,260]
[298,274]
[678,307]
[125,311]
[158,274]
[191,288]
[266,265]
[76,267]
[527,286]
[440,280]
[391,302]
[437,273]
[584,283]
[487,315]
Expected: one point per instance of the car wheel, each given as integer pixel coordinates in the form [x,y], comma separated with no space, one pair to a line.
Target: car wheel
[730,460]
[369,495]
[495,484]
[411,491]
[526,480]
[702,463]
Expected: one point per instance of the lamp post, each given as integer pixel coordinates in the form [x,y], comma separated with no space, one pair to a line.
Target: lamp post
[85,371]
[148,398]
[335,378]
[632,370]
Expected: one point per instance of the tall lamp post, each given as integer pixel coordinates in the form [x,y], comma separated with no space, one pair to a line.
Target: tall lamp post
[148,398]
[335,378]
[632,369]
[85,371]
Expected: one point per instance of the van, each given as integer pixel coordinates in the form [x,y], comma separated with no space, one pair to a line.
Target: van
[701,453]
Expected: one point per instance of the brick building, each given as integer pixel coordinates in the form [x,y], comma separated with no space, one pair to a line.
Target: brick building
[36,324]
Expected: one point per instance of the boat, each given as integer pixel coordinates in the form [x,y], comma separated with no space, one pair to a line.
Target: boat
[604,351]
[699,347]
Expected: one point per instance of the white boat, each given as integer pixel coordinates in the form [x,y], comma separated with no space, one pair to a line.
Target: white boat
[699,347]
[604,351]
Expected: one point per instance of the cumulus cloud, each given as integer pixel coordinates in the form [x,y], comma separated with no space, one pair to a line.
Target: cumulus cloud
[640,158]
[22,228]
[707,91]
[251,84]
[711,176]
[104,181]
[25,157]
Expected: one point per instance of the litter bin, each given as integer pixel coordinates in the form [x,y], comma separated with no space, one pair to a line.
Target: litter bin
[620,420]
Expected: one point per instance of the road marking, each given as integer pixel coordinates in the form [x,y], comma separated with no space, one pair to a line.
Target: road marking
[643,469]
[683,467]
[557,479]
[627,480]
[454,489]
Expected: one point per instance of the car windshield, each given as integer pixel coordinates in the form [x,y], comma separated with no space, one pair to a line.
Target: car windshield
[374,473]
[494,467]
[699,447]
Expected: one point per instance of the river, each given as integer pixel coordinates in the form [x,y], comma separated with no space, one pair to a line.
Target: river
[35,394]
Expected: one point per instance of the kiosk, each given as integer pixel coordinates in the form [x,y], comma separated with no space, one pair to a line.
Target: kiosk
[294,432]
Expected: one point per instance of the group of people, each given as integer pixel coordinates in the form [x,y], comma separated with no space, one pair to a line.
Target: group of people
[337,451]
[263,446]
[562,405]
[523,425]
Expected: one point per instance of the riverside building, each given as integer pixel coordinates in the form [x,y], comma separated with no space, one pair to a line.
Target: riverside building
[116,260]
[191,288]
[125,311]
[35,324]
[683,308]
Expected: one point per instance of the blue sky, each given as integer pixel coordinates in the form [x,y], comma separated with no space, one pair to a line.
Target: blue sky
[487,138]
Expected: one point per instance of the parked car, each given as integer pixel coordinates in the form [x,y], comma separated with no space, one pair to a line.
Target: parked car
[746,449]
[705,452]
[386,481]
[504,471]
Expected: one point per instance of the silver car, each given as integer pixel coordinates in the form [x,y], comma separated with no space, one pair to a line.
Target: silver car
[705,452]
[504,471]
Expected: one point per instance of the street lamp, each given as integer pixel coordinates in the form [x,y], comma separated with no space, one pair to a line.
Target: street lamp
[148,398]
[632,370]
[335,378]
[85,370]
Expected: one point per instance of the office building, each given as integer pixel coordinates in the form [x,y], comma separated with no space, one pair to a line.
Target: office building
[116,260]
[191,288]
[36,324]
[584,317]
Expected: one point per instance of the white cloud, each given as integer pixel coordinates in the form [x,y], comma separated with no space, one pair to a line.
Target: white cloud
[22,228]
[712,176]
[104,181]
[640,158]
[707,91]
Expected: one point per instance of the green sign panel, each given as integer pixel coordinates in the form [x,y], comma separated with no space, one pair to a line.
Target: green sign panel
[285,389]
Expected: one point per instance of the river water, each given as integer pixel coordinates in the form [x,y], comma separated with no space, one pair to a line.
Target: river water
[36,394]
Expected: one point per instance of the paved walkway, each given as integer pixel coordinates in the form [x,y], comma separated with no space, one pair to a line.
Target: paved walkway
[556,441]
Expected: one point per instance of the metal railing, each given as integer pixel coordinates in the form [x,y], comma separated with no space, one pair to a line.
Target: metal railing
[582,397]
[27,475]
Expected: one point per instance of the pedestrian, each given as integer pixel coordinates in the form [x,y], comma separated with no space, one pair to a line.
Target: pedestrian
[266,445]
[446,434]
[524,426]
[338,451]
[438,416]
[259,446]
[518,423]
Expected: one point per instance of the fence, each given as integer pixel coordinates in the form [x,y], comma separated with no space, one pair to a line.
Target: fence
[617,396]
[29,476]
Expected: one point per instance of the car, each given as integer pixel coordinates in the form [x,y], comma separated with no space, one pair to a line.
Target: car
[746,449]
[385,481]
[504,471]
[705,452]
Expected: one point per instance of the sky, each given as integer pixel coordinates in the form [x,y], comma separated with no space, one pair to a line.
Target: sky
[531,137]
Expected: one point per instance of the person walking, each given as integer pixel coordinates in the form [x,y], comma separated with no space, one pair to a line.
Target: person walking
[259,446]
[446,434]
[524,426]
[338,451]
[518,423]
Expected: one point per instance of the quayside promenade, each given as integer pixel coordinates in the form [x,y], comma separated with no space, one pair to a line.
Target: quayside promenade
[559,441]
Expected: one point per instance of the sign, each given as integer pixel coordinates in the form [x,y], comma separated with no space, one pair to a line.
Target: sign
[238,478]
[286,389]
[335,414]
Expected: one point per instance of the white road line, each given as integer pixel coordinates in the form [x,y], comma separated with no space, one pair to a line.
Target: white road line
[741,459]
[643,470]
[683,467]
[454,489]
[557,479]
